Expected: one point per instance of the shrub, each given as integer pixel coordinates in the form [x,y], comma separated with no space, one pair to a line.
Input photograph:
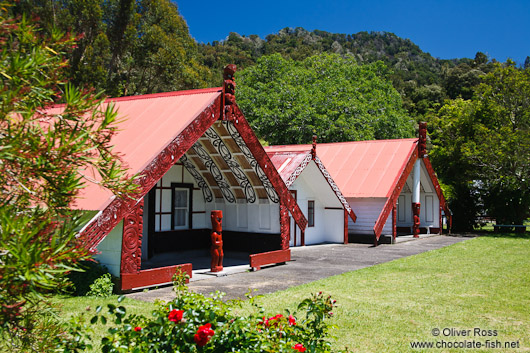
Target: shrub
[102,286]
[81,280]
[195,323]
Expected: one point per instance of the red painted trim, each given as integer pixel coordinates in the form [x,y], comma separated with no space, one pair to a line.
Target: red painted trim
[335,189]
[396,191]
[346,215]
[394,223]
[285,226]
[152,277]
[106,220]
[269,258]
[437,187]
[252,142]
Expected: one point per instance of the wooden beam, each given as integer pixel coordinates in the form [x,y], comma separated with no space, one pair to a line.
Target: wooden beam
[269,258]
[152,277]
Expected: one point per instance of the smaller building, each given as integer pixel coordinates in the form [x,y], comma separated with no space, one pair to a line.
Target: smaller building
[390,184]
[327,211]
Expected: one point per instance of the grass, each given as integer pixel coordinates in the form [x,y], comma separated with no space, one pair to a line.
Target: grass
[480,283]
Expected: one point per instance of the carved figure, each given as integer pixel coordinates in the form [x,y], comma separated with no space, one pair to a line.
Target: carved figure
[416,219]
[422,143]
[230,89]
[217,241]
[314,148]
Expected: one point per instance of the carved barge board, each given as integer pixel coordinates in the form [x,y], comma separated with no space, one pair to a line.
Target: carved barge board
[392,199]
[269,258]
[107,219]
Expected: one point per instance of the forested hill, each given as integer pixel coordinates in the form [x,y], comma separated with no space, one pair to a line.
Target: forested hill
[422,80]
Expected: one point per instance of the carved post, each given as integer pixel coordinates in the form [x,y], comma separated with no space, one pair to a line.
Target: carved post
[217,241]
[416,219]
[285,224]
[131,247]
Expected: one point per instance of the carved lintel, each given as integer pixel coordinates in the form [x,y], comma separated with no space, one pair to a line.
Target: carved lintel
[131,248]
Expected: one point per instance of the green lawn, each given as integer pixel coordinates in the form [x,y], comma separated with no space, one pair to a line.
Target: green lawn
[480,283]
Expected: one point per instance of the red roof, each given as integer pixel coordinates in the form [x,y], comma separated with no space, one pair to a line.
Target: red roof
[286,162]
[362,168]
[150,123]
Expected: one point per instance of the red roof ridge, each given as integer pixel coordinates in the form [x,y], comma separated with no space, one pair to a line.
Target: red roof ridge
[153,95]
[165,94]
[301,146]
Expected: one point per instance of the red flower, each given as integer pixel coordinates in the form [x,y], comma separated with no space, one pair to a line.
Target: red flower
[175,315]
[299,347]
[292,320]
[137,329]
[203,335]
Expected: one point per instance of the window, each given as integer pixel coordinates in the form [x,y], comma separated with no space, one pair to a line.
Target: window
[310,213]
[181,206]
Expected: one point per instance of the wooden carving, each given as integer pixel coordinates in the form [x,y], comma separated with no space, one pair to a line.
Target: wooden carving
[230,90]
[132,239]
[285,229]
[422,143]
[94,233]
[416,219]
[314,147]
[217,241]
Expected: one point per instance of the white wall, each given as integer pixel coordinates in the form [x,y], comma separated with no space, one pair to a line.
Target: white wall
[329,223]
[367,210]
[110,250]
[258,217]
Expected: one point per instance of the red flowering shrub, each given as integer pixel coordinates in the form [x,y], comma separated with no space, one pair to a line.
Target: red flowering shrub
[203,335]
[207,324]
[299,347]
[175,315]
[137,329]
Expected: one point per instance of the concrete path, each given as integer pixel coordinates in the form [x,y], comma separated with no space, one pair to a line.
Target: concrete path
[308,264]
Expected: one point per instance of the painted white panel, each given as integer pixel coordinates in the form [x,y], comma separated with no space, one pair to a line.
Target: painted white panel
[242,214]
[166,200]
[401,209]
[166,222]
[173,175]
[329,223]
[157,204]
[367,211]
[429,211]
[110,250]
[264,217]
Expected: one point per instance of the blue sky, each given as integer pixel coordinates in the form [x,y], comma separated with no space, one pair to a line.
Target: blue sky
[445,29]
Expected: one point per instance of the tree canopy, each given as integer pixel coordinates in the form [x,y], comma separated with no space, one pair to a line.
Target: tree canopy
[480,147]
[288,101]
[125,47]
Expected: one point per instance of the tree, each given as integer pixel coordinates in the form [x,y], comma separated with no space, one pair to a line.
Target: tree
[287,101]
[484,143]
[124,47]
[44,149]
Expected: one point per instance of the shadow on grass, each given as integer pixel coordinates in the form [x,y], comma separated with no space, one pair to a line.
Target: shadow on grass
[510,235]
